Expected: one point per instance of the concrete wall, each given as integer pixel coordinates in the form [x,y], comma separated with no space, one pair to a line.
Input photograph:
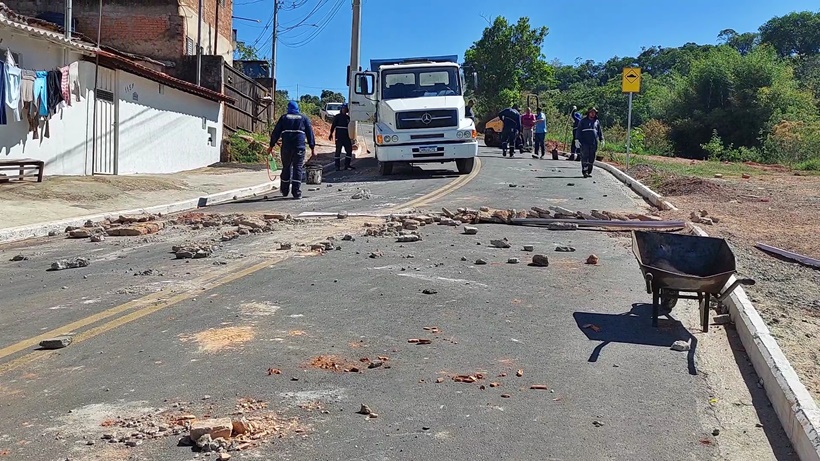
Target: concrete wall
[162,130]
[68,150]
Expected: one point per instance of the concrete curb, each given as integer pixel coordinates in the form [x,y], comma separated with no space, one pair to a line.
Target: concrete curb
[13,234]
[796,409]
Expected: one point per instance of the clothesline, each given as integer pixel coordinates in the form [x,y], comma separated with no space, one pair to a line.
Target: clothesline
[36,94]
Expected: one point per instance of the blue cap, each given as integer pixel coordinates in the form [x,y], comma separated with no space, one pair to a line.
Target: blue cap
[293,107]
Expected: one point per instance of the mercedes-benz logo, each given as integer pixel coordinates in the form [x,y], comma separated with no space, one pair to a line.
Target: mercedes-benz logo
[426,118]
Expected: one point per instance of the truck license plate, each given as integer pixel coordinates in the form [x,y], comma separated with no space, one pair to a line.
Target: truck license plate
[428,149]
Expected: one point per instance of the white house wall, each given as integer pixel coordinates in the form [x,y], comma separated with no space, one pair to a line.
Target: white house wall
[68,149]
[164,130]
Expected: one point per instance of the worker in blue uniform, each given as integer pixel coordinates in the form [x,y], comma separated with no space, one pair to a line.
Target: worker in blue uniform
[340,126]
[295,131]
[512,126]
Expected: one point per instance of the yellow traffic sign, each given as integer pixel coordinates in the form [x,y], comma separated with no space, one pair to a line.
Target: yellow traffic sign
[631,82]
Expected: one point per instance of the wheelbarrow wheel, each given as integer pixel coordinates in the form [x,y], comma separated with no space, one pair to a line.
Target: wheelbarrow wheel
[669,299]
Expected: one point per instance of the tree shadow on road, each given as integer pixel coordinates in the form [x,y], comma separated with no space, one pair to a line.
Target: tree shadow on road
[634,327]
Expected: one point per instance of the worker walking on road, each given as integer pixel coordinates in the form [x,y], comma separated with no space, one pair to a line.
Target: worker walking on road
[295,131]
[512,126]
[540,133]
[527,126]
[589,134]
[343,141]
[575,151]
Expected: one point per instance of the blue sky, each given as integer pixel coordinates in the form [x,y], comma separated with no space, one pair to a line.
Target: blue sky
[594,30]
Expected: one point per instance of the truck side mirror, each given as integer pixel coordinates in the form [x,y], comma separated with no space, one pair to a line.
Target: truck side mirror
[365,84]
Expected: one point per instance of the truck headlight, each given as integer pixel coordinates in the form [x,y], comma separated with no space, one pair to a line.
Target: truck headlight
[465,134]
[394,138]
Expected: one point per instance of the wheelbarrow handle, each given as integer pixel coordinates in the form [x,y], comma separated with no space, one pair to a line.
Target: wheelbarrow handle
[728,292]
[648,277]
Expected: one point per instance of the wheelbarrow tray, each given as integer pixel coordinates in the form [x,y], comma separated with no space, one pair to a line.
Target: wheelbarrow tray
[684,262]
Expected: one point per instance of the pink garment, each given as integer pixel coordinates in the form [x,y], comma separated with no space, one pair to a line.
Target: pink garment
[65,87]
[528,121]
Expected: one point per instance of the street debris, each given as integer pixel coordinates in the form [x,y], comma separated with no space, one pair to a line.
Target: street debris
[513,260]
[701,218]
[215,428]
[362,194]
[540,260]
[97,238]
[540,387]
[274,371]
[722,319]
[529,248]
[56,343]
[505,396]
[592,260]
[500,243]
[285,246]
[429,291]
[480,262]
[562,226]
[348,238]
[519,373]
[564,249]
[593,327]
[804,260]
[468,230]
[342,215]
[597,423]
[75,263]
[193,250]
[680,346]
[18,258]
[410,238]
[375,254]
[148,273]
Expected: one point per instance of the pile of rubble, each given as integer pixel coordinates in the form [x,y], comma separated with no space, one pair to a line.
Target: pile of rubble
[490,215]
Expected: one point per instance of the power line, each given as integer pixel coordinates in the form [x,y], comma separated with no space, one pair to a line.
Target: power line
[320,27]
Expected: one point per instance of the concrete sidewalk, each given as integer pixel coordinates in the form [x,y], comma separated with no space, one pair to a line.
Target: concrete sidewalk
[66,197]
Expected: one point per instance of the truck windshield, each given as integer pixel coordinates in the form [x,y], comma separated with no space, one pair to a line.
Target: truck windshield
[333,107]
[420,83]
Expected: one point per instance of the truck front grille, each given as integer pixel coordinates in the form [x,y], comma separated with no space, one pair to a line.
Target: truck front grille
[436,118]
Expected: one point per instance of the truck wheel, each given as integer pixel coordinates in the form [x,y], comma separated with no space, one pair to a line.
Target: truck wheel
[465,165]
[490,138]
[385,168]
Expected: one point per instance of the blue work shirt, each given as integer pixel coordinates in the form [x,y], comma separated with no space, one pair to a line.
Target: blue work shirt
[540,123]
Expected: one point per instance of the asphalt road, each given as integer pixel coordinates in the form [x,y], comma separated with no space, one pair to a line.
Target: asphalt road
[202,334]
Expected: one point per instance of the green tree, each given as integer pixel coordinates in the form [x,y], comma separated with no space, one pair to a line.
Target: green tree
[243,52]
[508,61]
[743,43]
[795,34]
[330,96]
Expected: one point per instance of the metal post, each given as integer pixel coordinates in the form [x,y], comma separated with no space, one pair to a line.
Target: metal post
[629,131]
[96,87]
[355,58]
[199,45]
[273,56]
[68,14]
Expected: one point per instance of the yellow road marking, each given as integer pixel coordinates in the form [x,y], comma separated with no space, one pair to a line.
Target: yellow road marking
[157,301]
[444,190]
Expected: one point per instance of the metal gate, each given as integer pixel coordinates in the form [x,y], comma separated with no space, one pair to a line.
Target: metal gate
[105,141]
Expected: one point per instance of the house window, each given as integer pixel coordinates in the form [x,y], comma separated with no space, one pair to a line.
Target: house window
[190,46]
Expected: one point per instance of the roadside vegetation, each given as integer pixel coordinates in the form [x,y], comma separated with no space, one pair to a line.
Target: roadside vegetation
[752,98]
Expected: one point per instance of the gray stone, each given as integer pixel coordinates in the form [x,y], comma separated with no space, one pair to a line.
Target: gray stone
[285,246]
[680,346]
[562,226]
[408,238]
[540,260]
[52,233]
[564,249]
[349,238]
[363,194]
[19,258]
[513,261]
[722,319]
[529,248]
[97,238]
[468,230]
[480,262]
[500,243]
[56,343]
[342,215]
[70,264]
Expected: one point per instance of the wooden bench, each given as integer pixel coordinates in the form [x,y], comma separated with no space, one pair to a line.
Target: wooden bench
[23,167]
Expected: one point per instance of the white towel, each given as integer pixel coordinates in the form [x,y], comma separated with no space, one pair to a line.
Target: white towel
[74,79]
[13,77]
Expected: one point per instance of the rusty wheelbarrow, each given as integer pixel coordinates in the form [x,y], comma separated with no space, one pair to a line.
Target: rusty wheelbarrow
[673,264]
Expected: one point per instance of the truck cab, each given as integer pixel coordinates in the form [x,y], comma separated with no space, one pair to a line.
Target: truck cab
[418,110]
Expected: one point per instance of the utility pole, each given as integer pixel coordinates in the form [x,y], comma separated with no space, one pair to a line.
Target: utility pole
[68,13]
[199,46]
[355,59]
[273,56]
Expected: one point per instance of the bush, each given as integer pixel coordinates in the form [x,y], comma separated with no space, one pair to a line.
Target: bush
[809,165]
[716,150]
[793,143]
[656,138]
[246,147]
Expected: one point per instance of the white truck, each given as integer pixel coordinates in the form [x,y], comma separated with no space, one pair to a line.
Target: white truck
[331,110]
[417,106]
